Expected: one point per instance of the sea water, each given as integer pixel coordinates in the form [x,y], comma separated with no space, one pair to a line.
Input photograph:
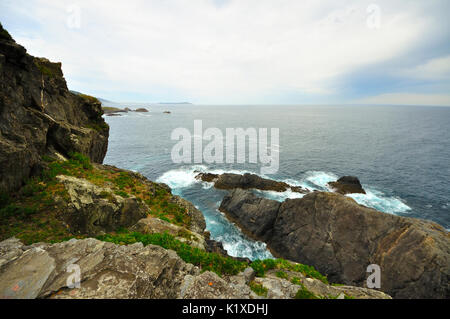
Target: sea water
[401,154]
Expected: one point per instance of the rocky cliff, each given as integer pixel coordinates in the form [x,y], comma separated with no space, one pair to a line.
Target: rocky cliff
[39,116]
[342,238]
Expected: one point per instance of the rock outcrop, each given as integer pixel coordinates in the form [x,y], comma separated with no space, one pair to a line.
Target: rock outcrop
[92,210]
[141,110]
[347,185]
[230,181]
[342,238]
[151,225]
[39,115]
[109,271]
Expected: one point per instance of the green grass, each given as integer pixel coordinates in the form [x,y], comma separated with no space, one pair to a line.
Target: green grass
[43,68]
[258,289]
[261,266]
[304,293]
[282,274]
[99,126]
[204,260]
[90,98]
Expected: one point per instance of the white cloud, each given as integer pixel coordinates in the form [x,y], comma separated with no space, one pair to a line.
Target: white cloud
[434,69]
[216,51]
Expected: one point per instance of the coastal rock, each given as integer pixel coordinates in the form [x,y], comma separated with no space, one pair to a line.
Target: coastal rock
[141,110]
[107,271]
[39,115]
[230,181]
[210,286]
[347,185]
[93,210]
[152,225]
[342,238]
[284,288]
[254,214]
[198,223]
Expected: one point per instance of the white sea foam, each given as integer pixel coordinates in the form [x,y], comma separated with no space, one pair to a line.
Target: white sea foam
[316,180]
[232,238]
[279,196]
[181,178]
[381,202]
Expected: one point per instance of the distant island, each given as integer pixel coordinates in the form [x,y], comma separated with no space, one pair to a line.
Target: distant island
[175,103]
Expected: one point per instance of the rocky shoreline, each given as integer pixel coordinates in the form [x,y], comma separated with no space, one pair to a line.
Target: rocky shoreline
[342,238]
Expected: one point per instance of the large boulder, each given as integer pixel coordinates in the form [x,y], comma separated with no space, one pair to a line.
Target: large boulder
[107,271]
[347,185]
[92,210]
[39,116]
[229,181]
[342,238]
[254,214]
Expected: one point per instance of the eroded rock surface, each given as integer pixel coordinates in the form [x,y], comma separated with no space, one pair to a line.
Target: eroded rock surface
[109,271]
[347,185]
[342,238]
[40,116]
[93,210]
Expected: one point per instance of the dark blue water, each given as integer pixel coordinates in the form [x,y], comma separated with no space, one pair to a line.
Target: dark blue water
[400,153]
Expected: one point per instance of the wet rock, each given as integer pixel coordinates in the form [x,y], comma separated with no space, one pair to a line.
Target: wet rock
[255,215]
[347,185]
[341,239]
[230,181]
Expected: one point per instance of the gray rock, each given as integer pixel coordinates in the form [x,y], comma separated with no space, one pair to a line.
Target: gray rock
[254,214]
[93,210]
[341,239]
[39,116]
[347,185]
[24,277]
[152,225]
[210,286]
[230,181]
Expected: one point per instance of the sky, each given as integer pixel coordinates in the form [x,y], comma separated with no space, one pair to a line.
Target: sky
[243,51]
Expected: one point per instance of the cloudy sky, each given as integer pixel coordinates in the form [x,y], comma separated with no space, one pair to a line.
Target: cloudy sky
[243,51]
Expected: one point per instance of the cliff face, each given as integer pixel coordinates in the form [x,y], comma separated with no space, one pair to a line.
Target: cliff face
[39,116]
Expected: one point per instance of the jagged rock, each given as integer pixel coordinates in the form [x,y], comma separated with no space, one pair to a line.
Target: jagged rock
[216,247]
[198,223]
[152,225]
[230,181]
[342,238]
[93,210]
[107,271]
[35,266]
[283,288]
[207,177]
[39,115]
[210,286]
[347,185]
[254,214]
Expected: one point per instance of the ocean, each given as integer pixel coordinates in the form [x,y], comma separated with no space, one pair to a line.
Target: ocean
[401,154]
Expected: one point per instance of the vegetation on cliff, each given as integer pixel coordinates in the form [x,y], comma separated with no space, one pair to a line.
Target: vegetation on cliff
[31,213]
